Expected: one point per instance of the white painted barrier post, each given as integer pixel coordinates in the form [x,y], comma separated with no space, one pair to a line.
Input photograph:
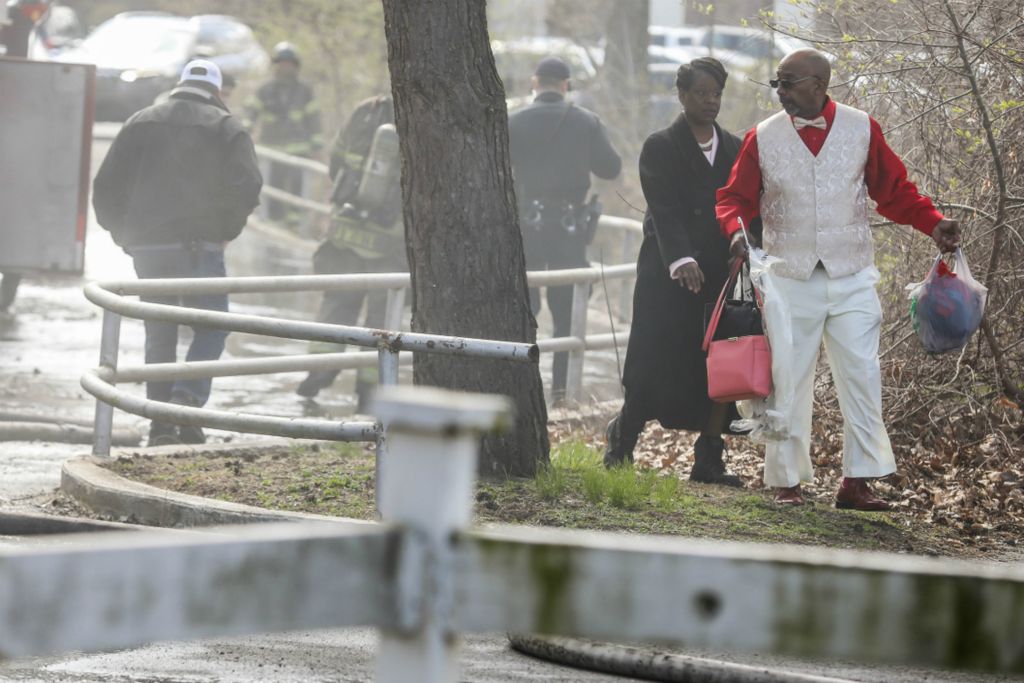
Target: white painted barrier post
[626,284]
[395,309]
[428,480]
[387,375]
[577,329]
[103,421]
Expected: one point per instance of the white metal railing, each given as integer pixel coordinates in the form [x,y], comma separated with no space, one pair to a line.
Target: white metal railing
[101,381]
[423,578]
[576,344]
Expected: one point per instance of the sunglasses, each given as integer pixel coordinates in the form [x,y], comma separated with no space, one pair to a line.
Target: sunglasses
[787,83]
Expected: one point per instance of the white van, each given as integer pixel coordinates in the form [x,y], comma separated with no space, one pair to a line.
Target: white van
[674,36]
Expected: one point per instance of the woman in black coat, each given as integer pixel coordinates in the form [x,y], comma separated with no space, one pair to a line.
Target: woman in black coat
[683,264]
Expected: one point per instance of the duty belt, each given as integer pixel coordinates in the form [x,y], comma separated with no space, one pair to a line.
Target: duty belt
[539,214]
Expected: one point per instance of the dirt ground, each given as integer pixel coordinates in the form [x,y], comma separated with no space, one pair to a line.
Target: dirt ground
[338,479]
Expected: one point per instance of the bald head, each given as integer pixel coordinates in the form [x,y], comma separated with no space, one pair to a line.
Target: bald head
[808,61]
[802,79]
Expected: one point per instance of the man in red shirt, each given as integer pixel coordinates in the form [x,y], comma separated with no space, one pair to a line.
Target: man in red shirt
[808,173]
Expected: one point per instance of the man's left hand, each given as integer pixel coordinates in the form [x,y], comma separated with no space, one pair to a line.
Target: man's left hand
[946,234]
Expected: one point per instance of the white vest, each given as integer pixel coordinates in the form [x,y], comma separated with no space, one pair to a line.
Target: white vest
[815,208]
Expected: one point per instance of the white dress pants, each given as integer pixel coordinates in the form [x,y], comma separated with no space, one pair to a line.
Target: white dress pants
[846,313]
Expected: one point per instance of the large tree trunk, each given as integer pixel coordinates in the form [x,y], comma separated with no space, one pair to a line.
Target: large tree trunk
[462,228]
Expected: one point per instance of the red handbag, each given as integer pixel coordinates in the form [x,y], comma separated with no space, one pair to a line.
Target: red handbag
[739,368]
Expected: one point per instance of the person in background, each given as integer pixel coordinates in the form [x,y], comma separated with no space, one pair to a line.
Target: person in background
[808,172]
[366,233]
[179,181]
[554,147]
[226,88]
[285,114]
[683,265]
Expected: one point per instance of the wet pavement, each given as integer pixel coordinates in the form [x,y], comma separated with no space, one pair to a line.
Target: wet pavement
[51,335]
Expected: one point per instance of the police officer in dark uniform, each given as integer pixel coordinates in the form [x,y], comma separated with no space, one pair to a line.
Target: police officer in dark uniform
[288,117]
[366,234]
[555,145]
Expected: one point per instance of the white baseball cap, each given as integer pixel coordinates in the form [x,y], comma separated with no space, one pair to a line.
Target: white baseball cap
[204,71]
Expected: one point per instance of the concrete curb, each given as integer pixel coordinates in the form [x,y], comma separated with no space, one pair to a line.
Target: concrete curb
[38,524]
[651,664]
[110,495]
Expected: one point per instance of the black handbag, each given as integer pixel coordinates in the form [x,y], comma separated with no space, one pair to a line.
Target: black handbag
[740,317]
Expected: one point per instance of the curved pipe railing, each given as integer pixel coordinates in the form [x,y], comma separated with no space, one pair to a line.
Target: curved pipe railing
[111,297]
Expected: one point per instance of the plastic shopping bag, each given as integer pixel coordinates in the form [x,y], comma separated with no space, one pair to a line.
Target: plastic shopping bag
[946,308]
[768,419]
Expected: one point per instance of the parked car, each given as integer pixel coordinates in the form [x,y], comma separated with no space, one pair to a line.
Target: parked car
[740,48]
[756,43]
[138,55]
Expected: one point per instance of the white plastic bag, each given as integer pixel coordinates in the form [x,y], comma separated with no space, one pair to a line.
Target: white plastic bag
[768,419]
[947,306]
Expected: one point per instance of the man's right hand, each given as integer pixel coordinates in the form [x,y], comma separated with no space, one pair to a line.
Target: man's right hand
[738,246]
[946,234]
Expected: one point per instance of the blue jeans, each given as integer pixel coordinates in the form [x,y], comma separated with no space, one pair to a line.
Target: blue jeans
[176,260]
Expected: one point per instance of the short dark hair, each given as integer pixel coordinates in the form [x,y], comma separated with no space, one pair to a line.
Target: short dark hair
[709,65]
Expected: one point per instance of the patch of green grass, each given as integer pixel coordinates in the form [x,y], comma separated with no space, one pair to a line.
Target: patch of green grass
[593,480]
[550,482]
[575,455]
[575,491]
[665,494]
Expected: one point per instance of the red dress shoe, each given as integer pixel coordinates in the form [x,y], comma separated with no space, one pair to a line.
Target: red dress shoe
[789,495]
[854,494]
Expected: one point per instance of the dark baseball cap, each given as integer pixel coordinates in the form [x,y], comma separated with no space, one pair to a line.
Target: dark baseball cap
[552,67]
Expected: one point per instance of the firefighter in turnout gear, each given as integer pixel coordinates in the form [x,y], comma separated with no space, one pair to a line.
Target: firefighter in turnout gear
[285,115]
[366,233]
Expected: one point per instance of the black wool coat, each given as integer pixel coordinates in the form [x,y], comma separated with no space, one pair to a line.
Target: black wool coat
[665,375]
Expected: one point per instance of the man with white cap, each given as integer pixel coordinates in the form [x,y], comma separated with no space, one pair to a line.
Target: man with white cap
[180,181]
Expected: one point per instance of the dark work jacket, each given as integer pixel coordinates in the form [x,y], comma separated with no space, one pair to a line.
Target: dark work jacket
[181,171]
[665,376]
[554,147]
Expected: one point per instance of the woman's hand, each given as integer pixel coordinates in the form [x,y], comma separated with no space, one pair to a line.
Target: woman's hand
[690,276]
